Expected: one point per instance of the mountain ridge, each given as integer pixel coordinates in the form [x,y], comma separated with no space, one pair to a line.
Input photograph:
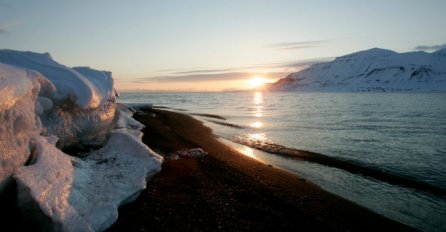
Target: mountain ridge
[372,70]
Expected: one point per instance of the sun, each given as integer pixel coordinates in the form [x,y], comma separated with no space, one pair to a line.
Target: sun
[256,82]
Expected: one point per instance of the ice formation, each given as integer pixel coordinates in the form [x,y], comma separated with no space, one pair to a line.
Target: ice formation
[85,91]
[84,194]
[19,90]
[83,104]
[376,70]
[43,103]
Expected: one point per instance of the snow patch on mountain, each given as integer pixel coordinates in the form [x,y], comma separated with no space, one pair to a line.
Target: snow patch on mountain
[376,70]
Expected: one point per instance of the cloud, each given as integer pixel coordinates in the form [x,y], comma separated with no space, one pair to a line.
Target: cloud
[176,71]
[3,30]
[430,47]
[296,45]
[194,77]
[276,70]
[168,70]
[207,71]
[302,63]
[228,76]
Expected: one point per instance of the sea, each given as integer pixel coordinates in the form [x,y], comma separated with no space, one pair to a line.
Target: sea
[402,134]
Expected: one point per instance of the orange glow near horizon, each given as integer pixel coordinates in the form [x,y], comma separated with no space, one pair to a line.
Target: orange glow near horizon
[253,83]
[256,82]
[196,86]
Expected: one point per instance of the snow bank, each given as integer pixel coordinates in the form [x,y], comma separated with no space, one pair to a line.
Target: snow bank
[102,80]
[43,103]
[83,105]
[18,95]
[84,194]
[85,91]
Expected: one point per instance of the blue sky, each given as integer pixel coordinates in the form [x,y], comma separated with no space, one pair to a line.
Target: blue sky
[214,45]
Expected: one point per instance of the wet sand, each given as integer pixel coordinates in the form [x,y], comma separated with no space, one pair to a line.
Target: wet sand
[228,191]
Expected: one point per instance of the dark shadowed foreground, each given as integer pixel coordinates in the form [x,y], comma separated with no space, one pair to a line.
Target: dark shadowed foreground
[229,192]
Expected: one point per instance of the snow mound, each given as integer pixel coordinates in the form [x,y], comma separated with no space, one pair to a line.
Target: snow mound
[102,80]
[18,95]
[82,105]
[43,104]
[87,91]
[75,194]
[376,70]
[84,194]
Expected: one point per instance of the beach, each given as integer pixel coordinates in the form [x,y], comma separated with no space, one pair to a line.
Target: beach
[222,116]
[227,191]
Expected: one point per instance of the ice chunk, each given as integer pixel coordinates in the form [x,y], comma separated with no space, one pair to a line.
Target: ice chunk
[80,105]
[101,79]
[67,107]
[86,91]
[18,93]
[84,194]
[48,183]
[43,104]
[125,123]
[74,125]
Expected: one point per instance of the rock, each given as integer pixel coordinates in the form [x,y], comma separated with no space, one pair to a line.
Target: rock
[194,152]
[173,156]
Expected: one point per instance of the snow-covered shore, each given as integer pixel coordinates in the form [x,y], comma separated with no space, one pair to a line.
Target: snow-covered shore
[45,107]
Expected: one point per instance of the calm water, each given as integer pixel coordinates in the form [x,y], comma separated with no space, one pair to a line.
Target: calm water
[400,133]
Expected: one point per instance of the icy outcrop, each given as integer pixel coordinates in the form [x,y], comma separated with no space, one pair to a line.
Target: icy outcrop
[84,194]
[83,104]
[43,103]
[18,94]
[85,91]
[372,70]
[74,125]
[102,80]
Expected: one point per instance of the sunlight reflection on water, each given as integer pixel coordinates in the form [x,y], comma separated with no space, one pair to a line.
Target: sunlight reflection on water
[257,137]
[258,104]
[258,98]
[258,110]
[402,133]
[248,152]
[256,124]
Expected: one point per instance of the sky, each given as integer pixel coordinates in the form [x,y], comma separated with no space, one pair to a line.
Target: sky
[214,45]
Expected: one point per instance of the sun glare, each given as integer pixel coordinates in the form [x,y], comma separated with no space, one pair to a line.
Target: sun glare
[256,82]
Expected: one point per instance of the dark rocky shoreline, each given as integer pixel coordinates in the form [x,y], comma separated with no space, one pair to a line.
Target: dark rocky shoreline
[229,192]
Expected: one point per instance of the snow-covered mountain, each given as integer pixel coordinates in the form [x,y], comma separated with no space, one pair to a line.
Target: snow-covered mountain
[375,70]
